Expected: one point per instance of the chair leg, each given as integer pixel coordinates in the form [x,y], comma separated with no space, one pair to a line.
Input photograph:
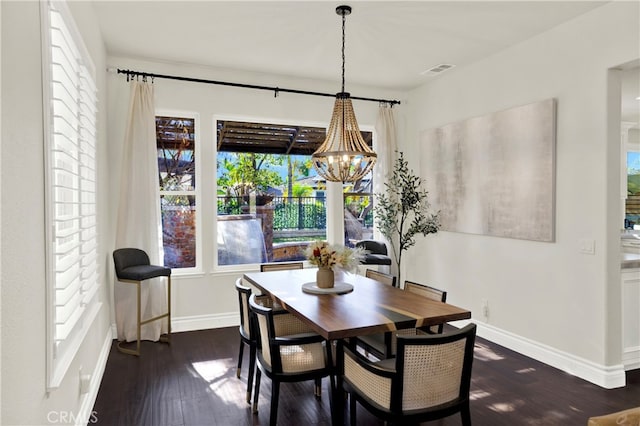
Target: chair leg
[352,410]
[139,319]
[167,338]
[240,354]
[252,369]
[275,394]
[318,388]
[135,352]
[256,391]
[169,309]
[465,413]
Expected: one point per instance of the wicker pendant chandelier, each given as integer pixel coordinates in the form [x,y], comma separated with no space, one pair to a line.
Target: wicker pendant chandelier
[344,156]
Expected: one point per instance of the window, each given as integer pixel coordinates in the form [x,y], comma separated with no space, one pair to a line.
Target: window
[358,211]
[270,201]
[70,105]
[632,205]
[176,144]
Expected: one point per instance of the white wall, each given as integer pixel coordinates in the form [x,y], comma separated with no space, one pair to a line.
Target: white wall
[208,299]
[547,295]
[634,138]
[24,396]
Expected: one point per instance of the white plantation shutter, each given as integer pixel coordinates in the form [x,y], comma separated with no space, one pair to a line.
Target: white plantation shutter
[70,129]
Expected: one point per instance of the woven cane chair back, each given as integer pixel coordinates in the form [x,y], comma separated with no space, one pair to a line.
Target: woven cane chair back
[430,293]
[281,266]
[429,379]
[387,279]
[244,293]
[289,358]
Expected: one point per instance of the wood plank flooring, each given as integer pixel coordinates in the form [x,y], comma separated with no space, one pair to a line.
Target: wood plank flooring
[192,382]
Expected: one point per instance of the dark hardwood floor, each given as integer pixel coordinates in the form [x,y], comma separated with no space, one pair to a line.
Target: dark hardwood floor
[193,382]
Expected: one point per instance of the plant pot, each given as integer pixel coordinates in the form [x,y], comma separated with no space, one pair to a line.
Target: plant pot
[325,278]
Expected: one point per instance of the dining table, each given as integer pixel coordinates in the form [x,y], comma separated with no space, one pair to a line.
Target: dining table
[369,308]
[363,306]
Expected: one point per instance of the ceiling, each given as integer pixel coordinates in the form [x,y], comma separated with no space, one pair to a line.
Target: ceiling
[389,44]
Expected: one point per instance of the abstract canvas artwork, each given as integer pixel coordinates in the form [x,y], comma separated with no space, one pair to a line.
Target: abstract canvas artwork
[495,174]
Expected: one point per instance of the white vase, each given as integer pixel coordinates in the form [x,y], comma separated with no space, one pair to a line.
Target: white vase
[324,277]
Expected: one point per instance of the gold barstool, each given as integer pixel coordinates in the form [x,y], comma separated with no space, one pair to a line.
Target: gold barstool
[133,266]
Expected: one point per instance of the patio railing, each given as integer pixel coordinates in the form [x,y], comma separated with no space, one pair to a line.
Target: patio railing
[290,213]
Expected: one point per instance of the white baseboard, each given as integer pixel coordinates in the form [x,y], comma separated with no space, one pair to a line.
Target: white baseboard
[608,377]
[85,413]
[197,322]
[203,322]
[631,358]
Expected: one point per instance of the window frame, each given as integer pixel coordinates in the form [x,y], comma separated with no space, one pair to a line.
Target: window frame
[214,255]
[334,193]
[60,352]
[197,193]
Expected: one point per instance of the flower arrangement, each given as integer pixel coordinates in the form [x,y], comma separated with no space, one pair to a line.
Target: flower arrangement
[325,255]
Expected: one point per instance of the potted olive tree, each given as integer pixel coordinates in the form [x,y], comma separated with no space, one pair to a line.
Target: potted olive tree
[402,210]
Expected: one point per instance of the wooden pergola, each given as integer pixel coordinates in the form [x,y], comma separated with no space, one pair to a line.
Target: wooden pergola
[242,136]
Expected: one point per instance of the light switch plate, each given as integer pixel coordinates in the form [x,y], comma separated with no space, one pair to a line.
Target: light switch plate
[587,246]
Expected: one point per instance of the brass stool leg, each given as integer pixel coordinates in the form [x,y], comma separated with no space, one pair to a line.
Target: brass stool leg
[138,325]
[167,338]
[139,318]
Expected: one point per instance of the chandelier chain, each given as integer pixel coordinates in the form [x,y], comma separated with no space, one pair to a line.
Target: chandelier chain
[343,56]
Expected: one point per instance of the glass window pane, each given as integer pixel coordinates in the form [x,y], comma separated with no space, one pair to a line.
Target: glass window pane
[179,230]
[176,153]
[270,202]
[358,218]
[632,211]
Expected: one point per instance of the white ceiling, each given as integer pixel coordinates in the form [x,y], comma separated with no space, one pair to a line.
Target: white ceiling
[388,43]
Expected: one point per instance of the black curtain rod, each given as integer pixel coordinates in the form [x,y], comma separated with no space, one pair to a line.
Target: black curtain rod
[276,90]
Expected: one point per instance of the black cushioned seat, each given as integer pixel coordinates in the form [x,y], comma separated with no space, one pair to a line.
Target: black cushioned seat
[376,252]
[144,272]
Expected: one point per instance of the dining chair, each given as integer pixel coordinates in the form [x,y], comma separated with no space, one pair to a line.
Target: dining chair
[377,344]
[287,352]
[430,293]
[133,266]
[248,334]
[428,379]
[381,276]
[280,266]
[246,337]
[383,345]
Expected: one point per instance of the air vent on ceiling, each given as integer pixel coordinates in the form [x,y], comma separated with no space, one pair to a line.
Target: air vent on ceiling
[438,69]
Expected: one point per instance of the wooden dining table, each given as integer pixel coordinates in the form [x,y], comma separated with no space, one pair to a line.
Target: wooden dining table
[370,308]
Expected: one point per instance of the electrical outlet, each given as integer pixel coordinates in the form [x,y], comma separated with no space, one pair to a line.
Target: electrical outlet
[85,382]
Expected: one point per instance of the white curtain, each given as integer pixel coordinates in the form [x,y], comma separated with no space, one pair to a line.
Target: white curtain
[138,224]
[385,145]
